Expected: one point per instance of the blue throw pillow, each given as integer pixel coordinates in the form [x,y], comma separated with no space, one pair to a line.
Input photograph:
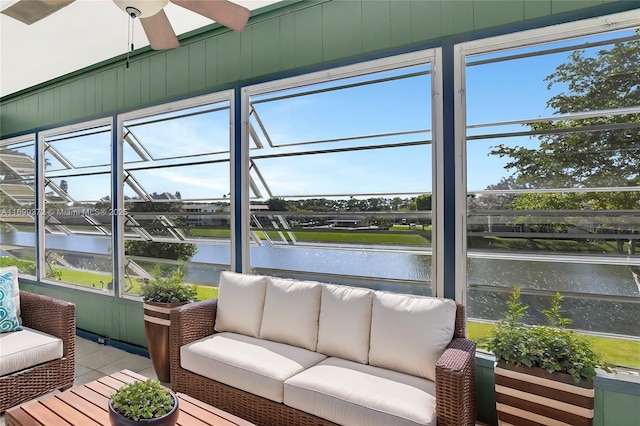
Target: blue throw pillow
[8,316]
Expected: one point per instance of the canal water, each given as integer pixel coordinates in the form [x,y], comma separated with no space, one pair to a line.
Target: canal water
[599,298]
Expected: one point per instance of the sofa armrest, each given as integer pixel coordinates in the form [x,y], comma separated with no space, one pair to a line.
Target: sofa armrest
[193,321]
[189,323]
[52,316]
[455,384]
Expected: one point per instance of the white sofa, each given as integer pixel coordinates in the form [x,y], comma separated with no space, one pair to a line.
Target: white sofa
[282,352]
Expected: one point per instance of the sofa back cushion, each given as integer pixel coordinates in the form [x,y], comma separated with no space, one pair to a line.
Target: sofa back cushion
[410,333]
[345,322]
[291,311]
[240,303]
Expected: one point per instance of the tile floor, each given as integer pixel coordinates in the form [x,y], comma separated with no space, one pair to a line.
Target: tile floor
[94,360]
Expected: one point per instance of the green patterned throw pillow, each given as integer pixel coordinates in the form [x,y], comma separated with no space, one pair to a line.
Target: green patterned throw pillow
[8,316]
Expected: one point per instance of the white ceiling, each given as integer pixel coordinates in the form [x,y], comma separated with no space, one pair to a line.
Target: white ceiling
[84,33]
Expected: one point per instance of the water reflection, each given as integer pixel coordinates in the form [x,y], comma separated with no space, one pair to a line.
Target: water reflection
[584,285]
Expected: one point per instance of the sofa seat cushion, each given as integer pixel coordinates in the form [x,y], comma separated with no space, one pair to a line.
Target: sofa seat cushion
[247,363]
[351,393]
[27,348]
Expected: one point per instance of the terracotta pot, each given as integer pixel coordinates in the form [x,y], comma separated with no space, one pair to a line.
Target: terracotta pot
[157,323]
[169,419]
[532,396]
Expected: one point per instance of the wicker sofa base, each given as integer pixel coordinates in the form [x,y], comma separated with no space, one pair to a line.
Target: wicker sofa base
[258,410]
[28,384]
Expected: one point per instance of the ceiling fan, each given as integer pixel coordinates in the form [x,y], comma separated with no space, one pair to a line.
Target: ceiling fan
[151,13]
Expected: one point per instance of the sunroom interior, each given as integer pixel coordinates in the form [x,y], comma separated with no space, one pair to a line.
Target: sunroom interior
[443,148]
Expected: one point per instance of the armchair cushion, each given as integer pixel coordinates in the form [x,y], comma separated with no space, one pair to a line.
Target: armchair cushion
[9,302]
[354,394]
[27,348]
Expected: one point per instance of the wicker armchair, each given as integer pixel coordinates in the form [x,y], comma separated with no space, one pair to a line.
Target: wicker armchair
[455,376]
[57,318]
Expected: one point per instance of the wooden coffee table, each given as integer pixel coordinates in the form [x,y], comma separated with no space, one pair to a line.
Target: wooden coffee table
[87,405]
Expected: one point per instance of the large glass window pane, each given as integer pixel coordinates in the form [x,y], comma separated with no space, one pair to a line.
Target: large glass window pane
[340,180]
[553,168]
[176,196]
[18,205]
[77,208]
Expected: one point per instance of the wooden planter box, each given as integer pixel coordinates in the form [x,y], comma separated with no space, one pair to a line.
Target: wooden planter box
[532,397]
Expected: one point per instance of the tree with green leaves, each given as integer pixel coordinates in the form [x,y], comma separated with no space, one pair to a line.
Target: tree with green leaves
[602,151]
[155,249]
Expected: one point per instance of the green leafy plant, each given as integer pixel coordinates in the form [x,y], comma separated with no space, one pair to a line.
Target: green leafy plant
[552,348]
[142,400]
[169,289]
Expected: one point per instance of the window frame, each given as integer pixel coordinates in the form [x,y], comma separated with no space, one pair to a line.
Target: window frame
[429,56]
[523,39]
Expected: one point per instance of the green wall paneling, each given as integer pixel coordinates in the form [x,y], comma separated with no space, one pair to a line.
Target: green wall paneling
[266,38]
[178,72]
[308,37]
[197,67]
[133,81]
[537,9]
[426,20]
[376,25]
[485,394]
[103,315]
[341,30]
[158,77]
[561,6]
[492,13]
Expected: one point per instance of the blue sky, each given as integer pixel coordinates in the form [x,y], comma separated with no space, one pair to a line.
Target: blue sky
[502,91]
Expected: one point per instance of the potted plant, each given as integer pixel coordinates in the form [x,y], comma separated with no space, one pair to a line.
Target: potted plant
[544,373]
[143,403]
[159,296]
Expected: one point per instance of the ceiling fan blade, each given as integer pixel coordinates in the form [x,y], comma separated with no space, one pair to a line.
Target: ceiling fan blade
[30,11]
[160,32]
[224,12]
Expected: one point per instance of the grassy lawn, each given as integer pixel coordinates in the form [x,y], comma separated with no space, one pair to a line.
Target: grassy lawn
[622,352]
[210,233]
[90,279]
[544,245]
[349,237]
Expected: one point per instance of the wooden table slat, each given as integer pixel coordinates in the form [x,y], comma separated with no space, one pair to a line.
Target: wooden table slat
[97,413]
[201,413]
[185,419]
[87,405]
[91,396]
[113,383]
[43,414]
[20,418]
[216,411]
[101,389]
[67,412]
[129,376]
